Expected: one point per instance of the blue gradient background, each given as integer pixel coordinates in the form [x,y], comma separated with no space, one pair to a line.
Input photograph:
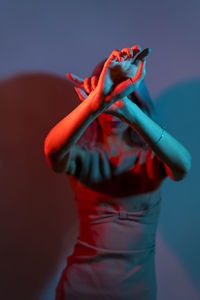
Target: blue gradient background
[40,42]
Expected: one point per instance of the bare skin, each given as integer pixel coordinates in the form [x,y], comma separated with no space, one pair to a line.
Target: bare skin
[120,77]
[113,128]
[67,132]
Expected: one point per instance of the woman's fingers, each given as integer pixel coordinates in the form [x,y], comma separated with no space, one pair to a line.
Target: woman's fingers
[136,47]
[87,84]
[90,83]
[75,78]
[141,72]
[131,53]
[128,52]
[94,82]
[81,94]
[115,54]
[142,56]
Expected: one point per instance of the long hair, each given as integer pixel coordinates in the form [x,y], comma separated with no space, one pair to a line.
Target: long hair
[93,133]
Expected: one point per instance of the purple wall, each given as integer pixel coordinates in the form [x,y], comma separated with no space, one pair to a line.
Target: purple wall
[40,42]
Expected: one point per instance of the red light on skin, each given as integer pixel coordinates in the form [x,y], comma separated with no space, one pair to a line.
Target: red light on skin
[106,119]
[110,123]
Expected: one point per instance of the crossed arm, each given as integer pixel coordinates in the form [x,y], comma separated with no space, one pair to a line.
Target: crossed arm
[175,157]
[102,98]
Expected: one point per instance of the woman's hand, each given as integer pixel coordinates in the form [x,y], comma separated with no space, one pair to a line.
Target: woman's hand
[119,109]
[122,73]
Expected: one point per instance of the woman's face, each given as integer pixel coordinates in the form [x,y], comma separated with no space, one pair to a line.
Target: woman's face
[111,125]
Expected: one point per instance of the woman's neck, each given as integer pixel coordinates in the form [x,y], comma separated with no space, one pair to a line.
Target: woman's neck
[113,144]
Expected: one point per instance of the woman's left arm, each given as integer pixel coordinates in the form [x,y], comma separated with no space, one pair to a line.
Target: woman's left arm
[176,157]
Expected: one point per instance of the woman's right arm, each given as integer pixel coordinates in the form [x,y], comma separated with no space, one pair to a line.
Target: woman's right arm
[67,132]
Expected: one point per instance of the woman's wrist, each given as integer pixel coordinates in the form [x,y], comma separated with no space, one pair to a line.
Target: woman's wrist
[98,102]
[130,111]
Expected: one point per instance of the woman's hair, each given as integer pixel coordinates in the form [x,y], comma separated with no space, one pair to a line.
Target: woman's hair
[93,133]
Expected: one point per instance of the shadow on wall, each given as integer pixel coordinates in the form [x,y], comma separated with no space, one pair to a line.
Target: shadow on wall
[179,223]
[38,228]
[37,224]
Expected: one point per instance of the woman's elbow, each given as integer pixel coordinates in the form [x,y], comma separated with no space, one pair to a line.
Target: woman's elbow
[178,175]
[188,163]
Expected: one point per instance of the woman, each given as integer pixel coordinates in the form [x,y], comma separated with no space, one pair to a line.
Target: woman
[116,181]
